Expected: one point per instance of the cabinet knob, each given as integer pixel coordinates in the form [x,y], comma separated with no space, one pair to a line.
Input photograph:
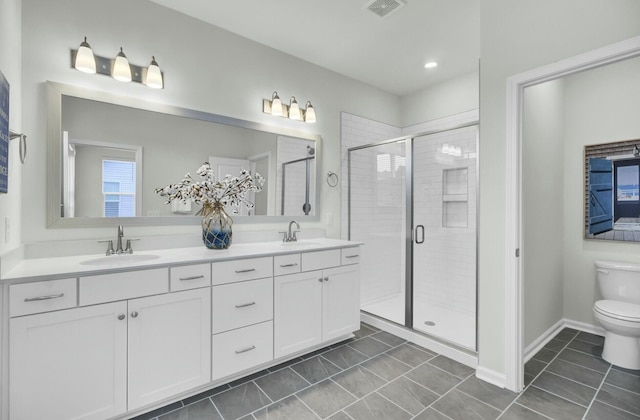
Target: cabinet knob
[320,279]
[121,317]
[326,279]
[134,314]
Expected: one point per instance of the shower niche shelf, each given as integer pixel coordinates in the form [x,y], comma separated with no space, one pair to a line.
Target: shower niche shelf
[455,197]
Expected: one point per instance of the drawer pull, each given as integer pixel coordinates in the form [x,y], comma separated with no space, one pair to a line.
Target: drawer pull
[352,256]
[245,350]
[288,265]
[192,278]
[248,270]
[39,298]
[244,305]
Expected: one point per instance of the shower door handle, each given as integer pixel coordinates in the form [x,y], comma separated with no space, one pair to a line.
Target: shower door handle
[419,238]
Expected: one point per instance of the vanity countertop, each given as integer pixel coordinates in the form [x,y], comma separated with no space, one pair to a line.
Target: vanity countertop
[58,267]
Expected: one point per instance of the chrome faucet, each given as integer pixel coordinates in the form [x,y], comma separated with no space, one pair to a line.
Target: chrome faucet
[119,249]
[291,237]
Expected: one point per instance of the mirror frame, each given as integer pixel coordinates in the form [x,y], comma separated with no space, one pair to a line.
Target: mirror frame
[54,93]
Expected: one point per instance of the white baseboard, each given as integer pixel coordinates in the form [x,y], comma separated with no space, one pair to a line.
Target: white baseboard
[548,335]
[488,375]
[465,357]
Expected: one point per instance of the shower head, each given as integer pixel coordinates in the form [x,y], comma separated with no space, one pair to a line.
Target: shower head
[311,151]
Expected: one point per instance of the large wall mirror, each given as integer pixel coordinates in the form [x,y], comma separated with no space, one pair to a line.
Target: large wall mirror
[612,195]
[107,154]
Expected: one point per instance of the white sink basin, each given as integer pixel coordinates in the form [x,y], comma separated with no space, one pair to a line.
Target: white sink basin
[120,260]
[302,244]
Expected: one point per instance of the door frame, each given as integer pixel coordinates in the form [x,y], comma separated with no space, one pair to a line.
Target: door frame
[514,275]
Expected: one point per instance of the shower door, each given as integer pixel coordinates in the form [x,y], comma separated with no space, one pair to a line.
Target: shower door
[444,237]
[377,217]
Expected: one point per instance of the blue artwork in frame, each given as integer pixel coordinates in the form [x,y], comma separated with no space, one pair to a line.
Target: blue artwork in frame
[4,133]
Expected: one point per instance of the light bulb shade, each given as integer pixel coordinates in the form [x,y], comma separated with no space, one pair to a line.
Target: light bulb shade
[154,75]
[310,113]
[85,61]
[294,109]
[276,104]
[121,68]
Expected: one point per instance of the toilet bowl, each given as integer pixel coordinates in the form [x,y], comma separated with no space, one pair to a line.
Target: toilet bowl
[619,312]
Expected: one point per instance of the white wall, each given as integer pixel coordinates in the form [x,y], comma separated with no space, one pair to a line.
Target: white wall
[454,96]
[601,106]
[10,65]
[517,36]
[543,207]
[205,68]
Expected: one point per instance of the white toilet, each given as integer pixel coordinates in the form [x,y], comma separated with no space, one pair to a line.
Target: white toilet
[619,312]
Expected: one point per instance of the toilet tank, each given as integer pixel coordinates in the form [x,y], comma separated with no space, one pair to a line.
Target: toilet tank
[619,280]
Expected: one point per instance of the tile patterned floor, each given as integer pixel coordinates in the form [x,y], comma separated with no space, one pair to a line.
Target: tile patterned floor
[377,375]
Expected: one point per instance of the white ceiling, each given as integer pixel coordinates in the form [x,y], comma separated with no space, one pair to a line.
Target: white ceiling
[343,36]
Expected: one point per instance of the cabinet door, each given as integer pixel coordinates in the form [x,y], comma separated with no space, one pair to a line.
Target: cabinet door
[169,345]
[297,312]
[340,301]
[69,364]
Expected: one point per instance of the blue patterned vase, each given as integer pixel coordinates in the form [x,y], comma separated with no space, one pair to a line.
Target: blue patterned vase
[216,227]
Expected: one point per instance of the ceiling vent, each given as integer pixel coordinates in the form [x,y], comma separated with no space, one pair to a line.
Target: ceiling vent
[384,8]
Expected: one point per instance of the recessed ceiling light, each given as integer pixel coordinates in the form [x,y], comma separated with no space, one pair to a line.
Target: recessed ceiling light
[430,65]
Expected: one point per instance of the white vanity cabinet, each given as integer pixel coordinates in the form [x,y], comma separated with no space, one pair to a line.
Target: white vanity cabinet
[315,306]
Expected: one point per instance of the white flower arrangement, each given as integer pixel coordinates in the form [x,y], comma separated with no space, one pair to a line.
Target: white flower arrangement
[209,192]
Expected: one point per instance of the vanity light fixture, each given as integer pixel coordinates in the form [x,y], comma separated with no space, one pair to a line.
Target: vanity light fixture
[431,65]
[85,61]
[294,109]
[154,75]
[291,111]
[119,68]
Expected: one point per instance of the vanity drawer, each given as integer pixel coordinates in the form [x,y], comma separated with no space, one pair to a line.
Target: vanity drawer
[240,270]
[318,260]
[350,255]
[286,264]
[42,296]
[240,304]
[120,286]
[242,349]
[190,277]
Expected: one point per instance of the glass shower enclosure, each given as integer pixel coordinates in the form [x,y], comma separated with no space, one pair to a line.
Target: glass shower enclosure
[412,202]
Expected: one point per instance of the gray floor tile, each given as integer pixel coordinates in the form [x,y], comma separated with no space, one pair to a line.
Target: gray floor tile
[376,407]
[365,330]
[623,380]
[460,406]
[533,367]
[419,347]
[285,364]
[577,373]
[340,415]
[629,371]
[315,353]
[326,398]
[528,379]
[519,412]
[451,366]
[280,384]
[599,411]
[566,334]
[248,378]
[316,369]
[410,355]
[247,417]
[431,414]
[205,394]
[589,348]
[240,401]
[590,338]
[437,380]
[499,398]
[555,345]
[344,357]
[389,339]
[359,381]
[287,409]
[408,395]
[573,391]
[545,355]
[550,405]
[369,346]
[197,411]
[160,411]
[619,398]
[386,367]
[585,360]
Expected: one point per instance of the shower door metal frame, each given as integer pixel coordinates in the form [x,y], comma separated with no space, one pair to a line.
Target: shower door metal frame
[410,231]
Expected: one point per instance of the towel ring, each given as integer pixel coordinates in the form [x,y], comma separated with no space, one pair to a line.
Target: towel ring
[330,177]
